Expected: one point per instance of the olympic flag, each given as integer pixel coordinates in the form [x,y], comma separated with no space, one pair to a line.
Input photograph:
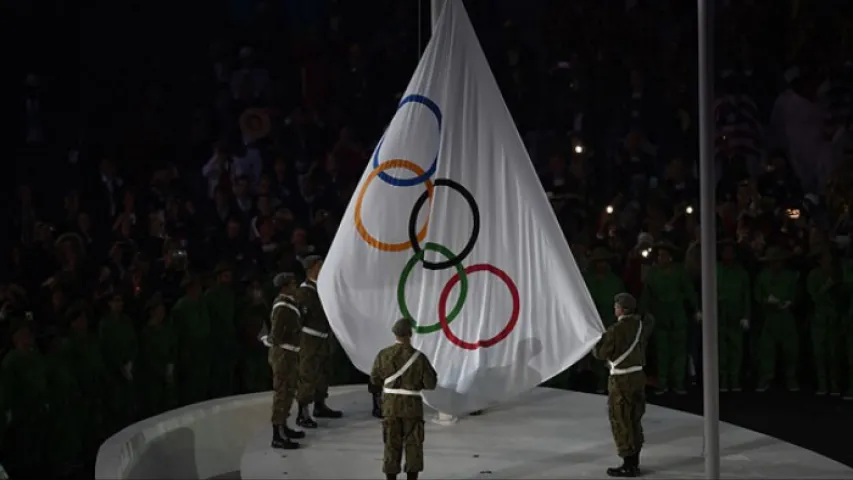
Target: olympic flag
[450,228]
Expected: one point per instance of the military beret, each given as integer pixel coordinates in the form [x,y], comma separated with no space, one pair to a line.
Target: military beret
[402,328]
[311,260]
[626,301]
[282,278]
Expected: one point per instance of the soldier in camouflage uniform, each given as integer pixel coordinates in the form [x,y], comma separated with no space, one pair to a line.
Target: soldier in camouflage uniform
[623,346]
[281,334]
[402,372]
[316,349]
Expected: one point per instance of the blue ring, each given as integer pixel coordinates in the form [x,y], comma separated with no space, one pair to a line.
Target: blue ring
[410,182]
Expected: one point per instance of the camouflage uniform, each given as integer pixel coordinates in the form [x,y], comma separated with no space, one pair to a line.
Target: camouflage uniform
[623,346]
[402,372]
[314,356]
[283,340]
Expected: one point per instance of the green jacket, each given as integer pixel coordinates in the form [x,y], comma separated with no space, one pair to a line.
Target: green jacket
[603,289]
[118,341]
[733,292]
[221,303]
[782,286]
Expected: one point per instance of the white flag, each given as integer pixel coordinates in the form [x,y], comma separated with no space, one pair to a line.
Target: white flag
[450,227]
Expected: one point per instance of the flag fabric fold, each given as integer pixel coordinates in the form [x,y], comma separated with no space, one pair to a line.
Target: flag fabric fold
[450,228]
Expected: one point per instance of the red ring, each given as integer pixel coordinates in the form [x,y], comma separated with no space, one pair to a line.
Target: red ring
[489,342]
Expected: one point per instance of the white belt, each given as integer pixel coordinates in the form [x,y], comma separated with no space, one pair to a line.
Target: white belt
[314,333]
[401,391]
[286,346]
[623,371]
[393,378]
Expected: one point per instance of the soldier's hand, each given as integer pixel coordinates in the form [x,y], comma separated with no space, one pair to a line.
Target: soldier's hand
[698,317]
[744,323]
[784,305]
[772,300]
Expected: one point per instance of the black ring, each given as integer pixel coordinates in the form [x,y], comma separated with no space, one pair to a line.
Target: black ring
[475,232]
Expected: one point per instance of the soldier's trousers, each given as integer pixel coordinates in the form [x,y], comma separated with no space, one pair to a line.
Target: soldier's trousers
[779,332]
[314,364]
[403,435]
[731,350]
[284,365]
[671,348]
[626,404]
[826,347]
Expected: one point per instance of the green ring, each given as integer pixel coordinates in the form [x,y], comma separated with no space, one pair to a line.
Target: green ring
[401,288]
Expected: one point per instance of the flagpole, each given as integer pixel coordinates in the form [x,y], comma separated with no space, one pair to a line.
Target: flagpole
[708,240]
[435,11]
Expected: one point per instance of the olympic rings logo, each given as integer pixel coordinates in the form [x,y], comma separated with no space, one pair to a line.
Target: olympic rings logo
[418,234]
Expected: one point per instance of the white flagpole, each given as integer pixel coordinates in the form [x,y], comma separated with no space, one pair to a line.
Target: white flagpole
[708,180]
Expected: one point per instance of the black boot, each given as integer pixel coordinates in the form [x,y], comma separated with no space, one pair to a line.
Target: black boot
[278,441]
[628,469]
[377,405]
[411,475]
[322,411]
[292,434]
[390,476]
[303,418]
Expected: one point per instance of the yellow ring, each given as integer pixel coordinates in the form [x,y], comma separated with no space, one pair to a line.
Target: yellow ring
[359,225]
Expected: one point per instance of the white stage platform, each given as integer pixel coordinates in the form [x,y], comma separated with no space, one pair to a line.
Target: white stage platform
[545,434]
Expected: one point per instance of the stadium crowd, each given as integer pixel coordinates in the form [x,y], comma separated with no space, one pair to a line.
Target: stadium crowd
[147,225]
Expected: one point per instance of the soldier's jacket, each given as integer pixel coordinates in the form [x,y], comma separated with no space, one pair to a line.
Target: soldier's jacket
[285,322]
[313,315]
[420,376]
[617,339]
[733,292]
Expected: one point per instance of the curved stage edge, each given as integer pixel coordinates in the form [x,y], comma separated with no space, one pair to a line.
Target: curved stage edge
[545,433]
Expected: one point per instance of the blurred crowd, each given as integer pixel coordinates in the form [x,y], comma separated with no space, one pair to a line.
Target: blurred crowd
[153,205]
